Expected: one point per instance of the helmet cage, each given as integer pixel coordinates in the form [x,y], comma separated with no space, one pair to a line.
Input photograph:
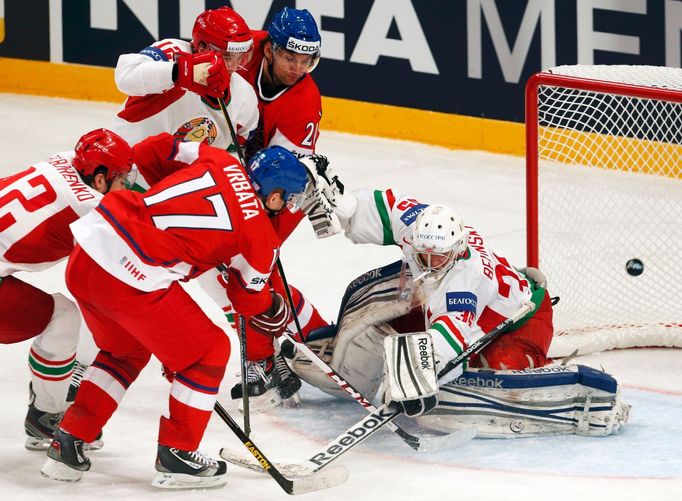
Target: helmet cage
[438,239]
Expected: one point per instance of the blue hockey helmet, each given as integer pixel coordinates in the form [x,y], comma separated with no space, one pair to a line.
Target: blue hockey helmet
[277,168]
[296,30]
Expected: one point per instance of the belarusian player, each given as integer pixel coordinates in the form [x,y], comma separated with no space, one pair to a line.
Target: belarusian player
[174,85]
[36,207]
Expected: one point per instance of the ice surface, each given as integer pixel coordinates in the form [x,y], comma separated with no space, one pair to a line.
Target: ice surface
[643,462]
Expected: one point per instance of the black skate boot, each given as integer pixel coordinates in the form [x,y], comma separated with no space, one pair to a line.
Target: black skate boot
[39,425]
[65,458]
[269,382]
[178,469]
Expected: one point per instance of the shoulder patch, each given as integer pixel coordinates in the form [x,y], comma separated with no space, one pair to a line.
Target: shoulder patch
[410,215]
[461,301]
[155,53]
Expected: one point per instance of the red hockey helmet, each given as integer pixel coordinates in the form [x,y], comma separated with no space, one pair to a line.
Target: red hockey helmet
[102,147]
[223,29]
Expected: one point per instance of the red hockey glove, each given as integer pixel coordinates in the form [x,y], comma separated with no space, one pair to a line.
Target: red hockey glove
[204,73]
[273,321]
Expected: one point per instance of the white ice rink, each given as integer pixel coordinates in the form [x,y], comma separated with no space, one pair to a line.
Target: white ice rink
[644,462]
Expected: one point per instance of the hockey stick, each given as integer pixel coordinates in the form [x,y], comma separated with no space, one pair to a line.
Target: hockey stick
[488,338]
[354,435]
[242,322]
[242,359]
[233,134]
[300,485]
[420,444]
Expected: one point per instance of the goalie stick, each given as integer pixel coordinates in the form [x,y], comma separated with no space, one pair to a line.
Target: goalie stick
[488,338]
[357,433]
[419,444]
[300,485]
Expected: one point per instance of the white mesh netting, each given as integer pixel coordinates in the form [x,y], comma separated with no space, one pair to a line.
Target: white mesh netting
[609,191]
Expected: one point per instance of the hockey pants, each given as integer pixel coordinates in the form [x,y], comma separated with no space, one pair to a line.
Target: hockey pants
[128,326]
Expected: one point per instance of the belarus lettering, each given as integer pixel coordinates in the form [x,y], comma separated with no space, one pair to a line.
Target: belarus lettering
[73,180]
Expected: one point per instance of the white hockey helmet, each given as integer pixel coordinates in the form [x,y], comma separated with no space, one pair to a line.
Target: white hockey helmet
[438,238]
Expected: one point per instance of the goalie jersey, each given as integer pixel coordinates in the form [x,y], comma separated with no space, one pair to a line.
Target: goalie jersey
[481,290]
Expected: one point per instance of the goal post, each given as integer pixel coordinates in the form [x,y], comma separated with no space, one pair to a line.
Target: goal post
[604,203]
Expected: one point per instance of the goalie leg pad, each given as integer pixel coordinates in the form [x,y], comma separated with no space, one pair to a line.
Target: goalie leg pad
[410,379]
[362,366]
[552,400]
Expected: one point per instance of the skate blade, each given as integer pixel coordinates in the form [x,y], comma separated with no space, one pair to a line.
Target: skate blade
[42,444]
[37,444]
[95,445]
[55,470]
[164,480]
[262,403]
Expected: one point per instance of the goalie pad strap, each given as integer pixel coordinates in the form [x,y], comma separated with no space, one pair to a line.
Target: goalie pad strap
[410,368]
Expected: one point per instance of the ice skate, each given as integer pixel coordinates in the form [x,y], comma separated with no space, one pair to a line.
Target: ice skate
[270,382]
[65,458]
[178,469]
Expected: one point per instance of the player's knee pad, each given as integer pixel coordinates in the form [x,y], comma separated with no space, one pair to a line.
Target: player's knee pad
[551,400]
[60,337]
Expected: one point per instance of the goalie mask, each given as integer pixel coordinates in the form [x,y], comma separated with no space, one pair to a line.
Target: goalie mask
[438,239]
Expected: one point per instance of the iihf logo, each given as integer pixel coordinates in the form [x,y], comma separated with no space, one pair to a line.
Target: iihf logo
[131,268]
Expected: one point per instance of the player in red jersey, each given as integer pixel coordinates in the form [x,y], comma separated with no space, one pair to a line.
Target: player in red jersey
[133,249]
[173,85]
[288,98]
[290,111]
[36,207]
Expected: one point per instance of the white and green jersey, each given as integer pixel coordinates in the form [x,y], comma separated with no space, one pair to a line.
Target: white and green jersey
[481,290]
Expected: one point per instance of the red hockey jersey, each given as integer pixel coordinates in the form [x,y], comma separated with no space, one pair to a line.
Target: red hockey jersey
[291,118]
[200,212]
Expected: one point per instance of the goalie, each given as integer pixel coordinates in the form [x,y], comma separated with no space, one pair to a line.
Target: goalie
[448,291]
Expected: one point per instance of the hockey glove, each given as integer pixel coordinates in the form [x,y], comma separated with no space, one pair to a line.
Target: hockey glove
[315,204]
[204,73]
[535,275]
[410,378]
[274,320]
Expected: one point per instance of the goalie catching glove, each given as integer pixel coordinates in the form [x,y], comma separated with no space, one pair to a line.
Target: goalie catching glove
[316,205]
[410,378]
[274,320]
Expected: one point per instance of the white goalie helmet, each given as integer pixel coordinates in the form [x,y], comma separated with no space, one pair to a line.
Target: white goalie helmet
[438,238]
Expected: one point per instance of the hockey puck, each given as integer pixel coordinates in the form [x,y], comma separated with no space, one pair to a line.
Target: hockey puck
[634,267]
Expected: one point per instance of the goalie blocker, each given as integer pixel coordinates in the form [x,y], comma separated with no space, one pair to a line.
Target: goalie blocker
[410,378]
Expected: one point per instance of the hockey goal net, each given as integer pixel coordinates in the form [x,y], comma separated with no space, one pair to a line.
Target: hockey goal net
[604,203]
